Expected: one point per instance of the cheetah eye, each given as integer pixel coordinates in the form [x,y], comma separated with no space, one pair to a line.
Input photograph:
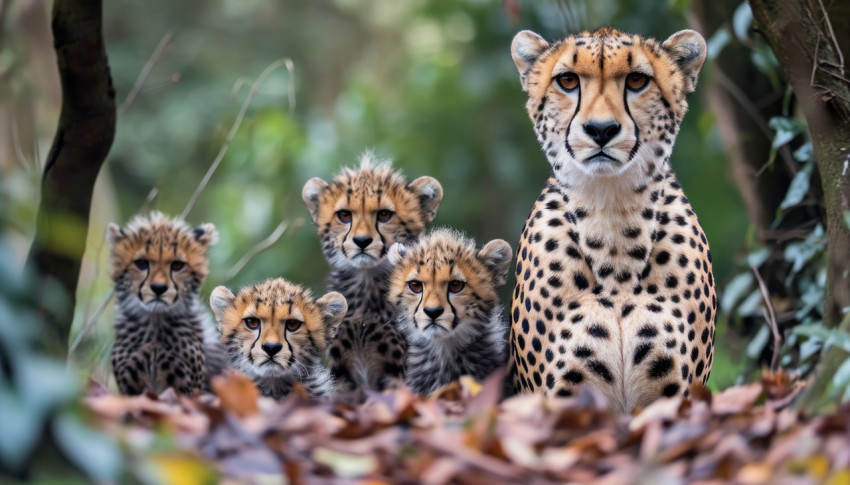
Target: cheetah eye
[415,286]
[344,216]
[252,323]
[292,325]
[142,264]
[385,215]
[455,286]
[636,81]
[568,81]
[177,266]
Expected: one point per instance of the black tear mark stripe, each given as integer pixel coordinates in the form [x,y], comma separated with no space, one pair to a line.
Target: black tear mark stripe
[570,124]
[634,149]
[251,350]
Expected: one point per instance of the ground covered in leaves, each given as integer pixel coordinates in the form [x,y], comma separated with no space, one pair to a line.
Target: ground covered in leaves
[748,434]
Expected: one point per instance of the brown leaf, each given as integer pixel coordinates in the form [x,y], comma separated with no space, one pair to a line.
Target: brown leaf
[237,393]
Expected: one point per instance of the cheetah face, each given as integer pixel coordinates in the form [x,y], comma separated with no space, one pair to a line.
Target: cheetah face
[606,101]
[275,328]
[443,283]
[360,214]
[159,263]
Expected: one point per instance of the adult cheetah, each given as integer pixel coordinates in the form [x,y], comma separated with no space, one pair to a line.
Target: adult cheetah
[614,284]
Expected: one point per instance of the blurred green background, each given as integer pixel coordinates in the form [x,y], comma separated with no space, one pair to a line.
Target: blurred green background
[429,84]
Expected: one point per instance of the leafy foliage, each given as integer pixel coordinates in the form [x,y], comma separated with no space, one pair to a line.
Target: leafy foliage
[795,263]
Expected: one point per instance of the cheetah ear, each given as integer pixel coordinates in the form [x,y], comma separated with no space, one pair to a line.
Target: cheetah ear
[396,253]
[497,256]
[334,307]
[430,195]
[310,195]
[114,233]
[687,47]
[206,234]
[221,299]
[525,49]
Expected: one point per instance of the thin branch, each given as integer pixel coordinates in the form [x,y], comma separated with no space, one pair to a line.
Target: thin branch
[232,132]
[19,150]
[140,80]
[756,116]
[840,78]
[815,61]
[770,316]
[832,35]
[90,323]
[261,246]
[100,308]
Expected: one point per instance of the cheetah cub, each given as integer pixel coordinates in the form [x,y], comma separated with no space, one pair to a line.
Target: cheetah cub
[276,333]
[162,338]
[358,216]
[444,291]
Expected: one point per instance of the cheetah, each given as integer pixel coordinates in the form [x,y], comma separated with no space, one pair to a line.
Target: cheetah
[162,338]
[614,284]
[276,333]
[358,216]
[444,291]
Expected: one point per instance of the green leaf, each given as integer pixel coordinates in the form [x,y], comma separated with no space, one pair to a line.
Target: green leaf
[718,41]
[799,187]
[805,153]
[847,218]
[841,378]
[735,290]
[766,63]
[758,342]
[786,129]
[741,21]
[97,455]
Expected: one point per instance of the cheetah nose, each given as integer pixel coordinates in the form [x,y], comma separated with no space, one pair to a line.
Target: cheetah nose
[362,241]
[272,349]
[602,131]
[433,311]
[159,288]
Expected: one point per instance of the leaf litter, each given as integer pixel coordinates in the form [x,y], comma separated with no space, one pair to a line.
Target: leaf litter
[464,434]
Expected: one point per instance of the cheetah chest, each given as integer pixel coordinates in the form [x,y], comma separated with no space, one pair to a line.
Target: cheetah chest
[623,301]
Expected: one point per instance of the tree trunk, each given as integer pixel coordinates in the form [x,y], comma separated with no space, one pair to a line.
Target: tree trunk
[83,139]
[808,40]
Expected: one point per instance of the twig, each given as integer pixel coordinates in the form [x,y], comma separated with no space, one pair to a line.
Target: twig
[99,311]
[756,116]
[261,246]
[90,323]
[840,78]
[140,80]
[770,316]
[232,132]
[832,35]
[19,150]
[815,62]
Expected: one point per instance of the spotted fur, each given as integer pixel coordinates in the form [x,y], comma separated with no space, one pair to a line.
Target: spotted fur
[443,290]
[381,208]
[614,283]
[275,333]
[162,339]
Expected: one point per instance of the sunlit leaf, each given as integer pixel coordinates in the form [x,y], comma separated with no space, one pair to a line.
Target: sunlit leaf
[718,41]
[735,290]
[741,21]
[183,469]
[799,187]
[786,129]
[841,378]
